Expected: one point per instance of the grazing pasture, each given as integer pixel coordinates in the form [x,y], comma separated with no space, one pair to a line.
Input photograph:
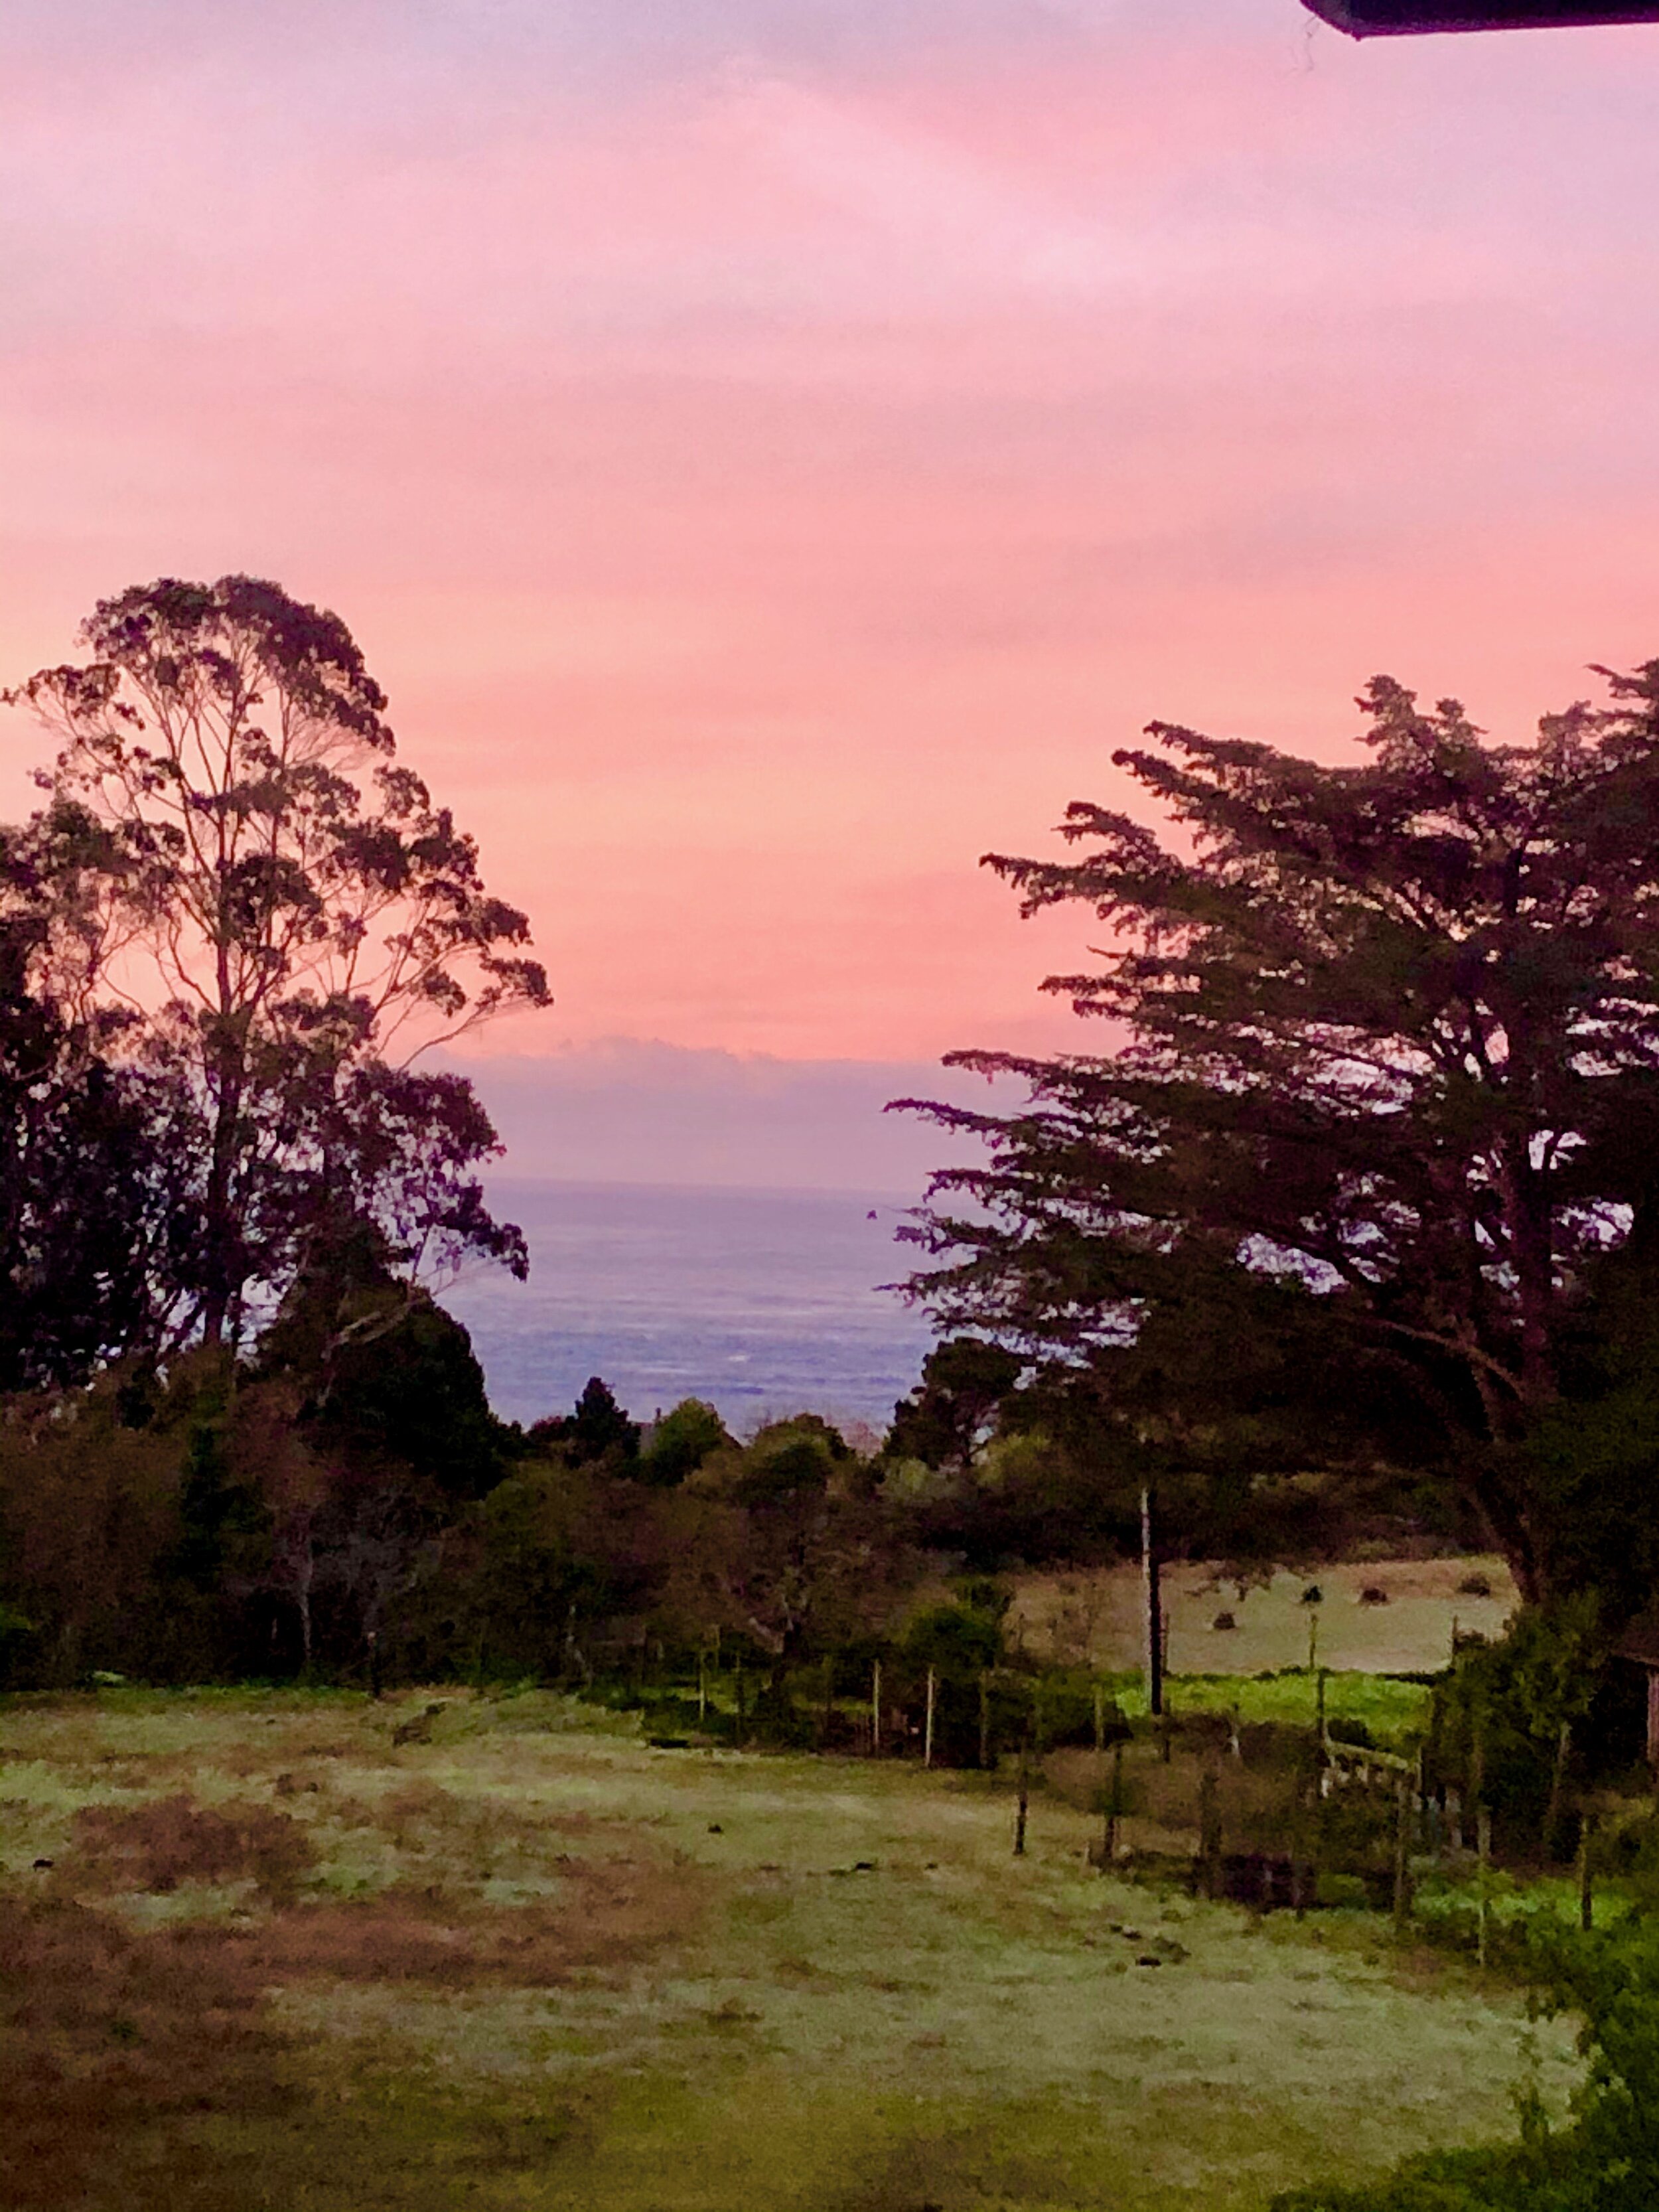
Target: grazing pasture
[257,1952]
[1093,1617]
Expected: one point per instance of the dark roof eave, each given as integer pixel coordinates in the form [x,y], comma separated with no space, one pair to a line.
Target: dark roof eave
[1400,19]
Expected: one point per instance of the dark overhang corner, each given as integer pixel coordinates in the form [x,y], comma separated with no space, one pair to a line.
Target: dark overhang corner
[1398,18]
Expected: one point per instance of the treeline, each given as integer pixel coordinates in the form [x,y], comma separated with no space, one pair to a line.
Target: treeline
[356,1513]
[342,1504]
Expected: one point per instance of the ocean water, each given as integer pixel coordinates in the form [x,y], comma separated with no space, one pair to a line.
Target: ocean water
[764,1303]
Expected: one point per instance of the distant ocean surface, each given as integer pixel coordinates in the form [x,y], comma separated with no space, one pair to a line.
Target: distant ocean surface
[764,1303]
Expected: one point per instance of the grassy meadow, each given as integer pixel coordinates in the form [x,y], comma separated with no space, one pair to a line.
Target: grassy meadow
[1093,1618]
[309,1952]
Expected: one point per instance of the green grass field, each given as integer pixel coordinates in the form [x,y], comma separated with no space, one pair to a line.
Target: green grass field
[280,1960]
[1392,1713]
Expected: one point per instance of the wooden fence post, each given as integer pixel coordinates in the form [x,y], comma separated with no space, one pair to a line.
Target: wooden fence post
[1316,1835]
[1483,1846]
[984,1719]
[1558,1779]
[1586,1895]
[1113,1809]
[1155,1645]
[927,1734]
[1208,1838]
[1401,1881]
[1024,1794]
[875,1711]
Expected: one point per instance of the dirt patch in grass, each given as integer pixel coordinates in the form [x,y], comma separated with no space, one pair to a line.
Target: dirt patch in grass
[615,1911]
[105,2031]
[423,1817]
[122,2049]
[418,1802]
[155,1846]
[428,1805]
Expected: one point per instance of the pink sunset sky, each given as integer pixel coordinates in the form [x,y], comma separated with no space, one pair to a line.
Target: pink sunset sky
[771,451]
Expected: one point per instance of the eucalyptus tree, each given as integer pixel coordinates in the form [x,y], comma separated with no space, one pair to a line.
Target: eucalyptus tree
[288,918]
[1379,1115]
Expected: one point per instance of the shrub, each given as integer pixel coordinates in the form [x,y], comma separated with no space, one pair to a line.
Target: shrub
[1521,2178]
[1608,2159]
[959,1642]
[1507,1705]
[677,1445]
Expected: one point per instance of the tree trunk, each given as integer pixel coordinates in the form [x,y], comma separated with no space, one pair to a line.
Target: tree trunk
[218,1286]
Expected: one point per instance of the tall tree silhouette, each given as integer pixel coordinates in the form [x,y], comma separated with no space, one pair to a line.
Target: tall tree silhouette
[1390,1050]
[293,918]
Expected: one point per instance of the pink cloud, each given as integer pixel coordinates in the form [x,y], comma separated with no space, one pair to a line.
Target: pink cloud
[767,471]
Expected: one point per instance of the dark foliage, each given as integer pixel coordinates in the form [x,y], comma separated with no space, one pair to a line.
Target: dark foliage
[1608,2161]
[93,1223]
[1386,1104]
[953,1410]
[384,1377]
[598,1430]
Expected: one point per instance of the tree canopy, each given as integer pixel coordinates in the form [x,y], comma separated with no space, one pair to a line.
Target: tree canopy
[271,916]
[952,1410]
[1378,1123]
